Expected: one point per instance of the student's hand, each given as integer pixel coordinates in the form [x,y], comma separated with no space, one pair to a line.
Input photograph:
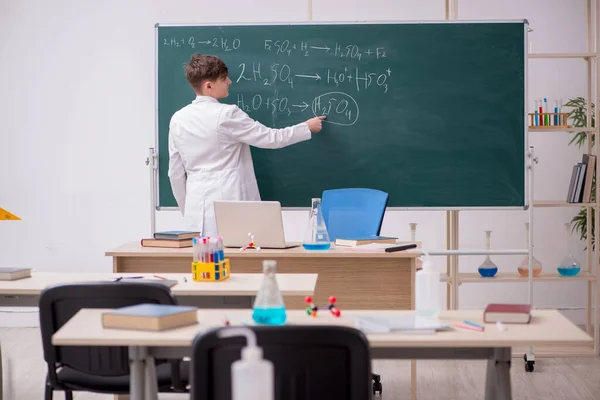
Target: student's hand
[315,124]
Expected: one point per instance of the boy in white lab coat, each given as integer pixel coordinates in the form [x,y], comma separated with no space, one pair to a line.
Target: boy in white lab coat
[209,146]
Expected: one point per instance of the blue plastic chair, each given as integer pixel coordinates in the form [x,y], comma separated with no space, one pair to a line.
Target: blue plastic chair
[353,212]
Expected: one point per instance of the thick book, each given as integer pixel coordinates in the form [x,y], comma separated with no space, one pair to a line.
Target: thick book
[507,313]
[361,241]
[12,274]
[167,243]
[150,317]
[590,161]
[176,235]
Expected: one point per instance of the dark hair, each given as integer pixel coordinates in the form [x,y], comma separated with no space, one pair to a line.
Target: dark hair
[203,67]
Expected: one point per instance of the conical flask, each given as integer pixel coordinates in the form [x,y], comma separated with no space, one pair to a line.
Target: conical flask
[316,236]
[269,308]
[569,265]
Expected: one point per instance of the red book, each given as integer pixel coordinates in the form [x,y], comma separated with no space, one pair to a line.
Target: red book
[507,313]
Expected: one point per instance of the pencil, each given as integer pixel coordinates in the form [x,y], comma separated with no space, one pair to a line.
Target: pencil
[160,277]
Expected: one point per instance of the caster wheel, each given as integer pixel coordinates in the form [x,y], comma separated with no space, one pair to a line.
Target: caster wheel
[529,366]
[525,357]
[377,387]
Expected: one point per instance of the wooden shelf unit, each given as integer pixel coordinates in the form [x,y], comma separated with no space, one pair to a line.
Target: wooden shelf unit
[504,277]
[588,275]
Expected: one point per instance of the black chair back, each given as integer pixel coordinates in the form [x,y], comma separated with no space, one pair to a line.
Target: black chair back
[60,302]
[310,362]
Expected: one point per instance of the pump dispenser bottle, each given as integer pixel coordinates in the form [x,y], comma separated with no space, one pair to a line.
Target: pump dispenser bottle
[252,375]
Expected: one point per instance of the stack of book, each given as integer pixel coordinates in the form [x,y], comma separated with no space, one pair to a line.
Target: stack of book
[175,239]
[582,176]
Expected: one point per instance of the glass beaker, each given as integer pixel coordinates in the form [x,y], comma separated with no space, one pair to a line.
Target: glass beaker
[536,266]
[569,266]
[316,236]
[487,268]
[269,308]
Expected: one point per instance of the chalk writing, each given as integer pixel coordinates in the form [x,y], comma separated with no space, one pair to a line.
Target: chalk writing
[339,107]
[221,43]
[274,104]
[276,73]
[341,50]
[360,79]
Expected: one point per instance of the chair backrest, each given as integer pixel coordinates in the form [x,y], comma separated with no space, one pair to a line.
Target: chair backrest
[310,362]
[353,212]
[58,303]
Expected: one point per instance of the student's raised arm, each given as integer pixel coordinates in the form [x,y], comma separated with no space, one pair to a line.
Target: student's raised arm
[236,124]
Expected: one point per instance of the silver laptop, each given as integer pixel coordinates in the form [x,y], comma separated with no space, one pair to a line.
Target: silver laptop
[235,219]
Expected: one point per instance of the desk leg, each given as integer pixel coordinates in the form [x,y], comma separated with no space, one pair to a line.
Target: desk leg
[137,357]
[151,379]
[490,380]
[413,379]
[497,385]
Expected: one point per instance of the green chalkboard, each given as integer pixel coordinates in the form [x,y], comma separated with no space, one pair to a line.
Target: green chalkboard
[432,113]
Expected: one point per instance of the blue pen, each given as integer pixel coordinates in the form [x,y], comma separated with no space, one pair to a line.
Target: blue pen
[473,324]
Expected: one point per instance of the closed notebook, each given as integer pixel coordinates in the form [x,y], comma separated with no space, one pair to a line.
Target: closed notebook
[359,241]
[12,274]
[150,317]
[165,282]
[507,313]
[176,235]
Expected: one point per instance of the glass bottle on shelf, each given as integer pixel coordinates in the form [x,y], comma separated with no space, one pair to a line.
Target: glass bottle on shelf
[413,236]
[536,266]
[569,266]
[488,268]
[316,236]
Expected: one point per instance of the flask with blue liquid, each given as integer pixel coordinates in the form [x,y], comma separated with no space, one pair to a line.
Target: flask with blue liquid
[316,236]
[269,308]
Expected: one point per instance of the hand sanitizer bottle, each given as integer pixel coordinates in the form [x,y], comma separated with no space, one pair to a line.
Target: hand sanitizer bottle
[252,376]
[427,290]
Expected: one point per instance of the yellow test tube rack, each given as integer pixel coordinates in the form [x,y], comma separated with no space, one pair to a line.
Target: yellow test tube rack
[210,271]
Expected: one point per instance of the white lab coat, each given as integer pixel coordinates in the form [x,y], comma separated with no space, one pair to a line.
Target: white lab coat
[210,159]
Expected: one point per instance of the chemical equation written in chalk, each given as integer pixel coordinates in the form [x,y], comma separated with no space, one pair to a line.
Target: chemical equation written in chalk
[339,50]
[220,43]
[276,74]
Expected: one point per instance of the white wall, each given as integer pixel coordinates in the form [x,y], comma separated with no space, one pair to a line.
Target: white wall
[77,118]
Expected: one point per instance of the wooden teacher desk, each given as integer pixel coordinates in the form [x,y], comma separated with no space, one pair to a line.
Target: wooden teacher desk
[360,280]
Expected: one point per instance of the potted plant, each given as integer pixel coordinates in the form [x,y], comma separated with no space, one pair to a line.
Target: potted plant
[578,116]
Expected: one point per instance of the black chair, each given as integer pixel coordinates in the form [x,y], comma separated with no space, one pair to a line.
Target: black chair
[93,368]
[310,362]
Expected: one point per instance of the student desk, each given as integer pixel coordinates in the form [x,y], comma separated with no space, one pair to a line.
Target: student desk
[236,292]
[360,280]
[548,327]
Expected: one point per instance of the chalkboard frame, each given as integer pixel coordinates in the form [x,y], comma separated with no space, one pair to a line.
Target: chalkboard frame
[527,195]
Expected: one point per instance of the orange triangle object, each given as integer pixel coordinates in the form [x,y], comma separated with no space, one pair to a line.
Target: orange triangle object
[6,216]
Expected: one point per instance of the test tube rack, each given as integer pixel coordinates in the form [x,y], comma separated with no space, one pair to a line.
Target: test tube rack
[211,271]
[548,120]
